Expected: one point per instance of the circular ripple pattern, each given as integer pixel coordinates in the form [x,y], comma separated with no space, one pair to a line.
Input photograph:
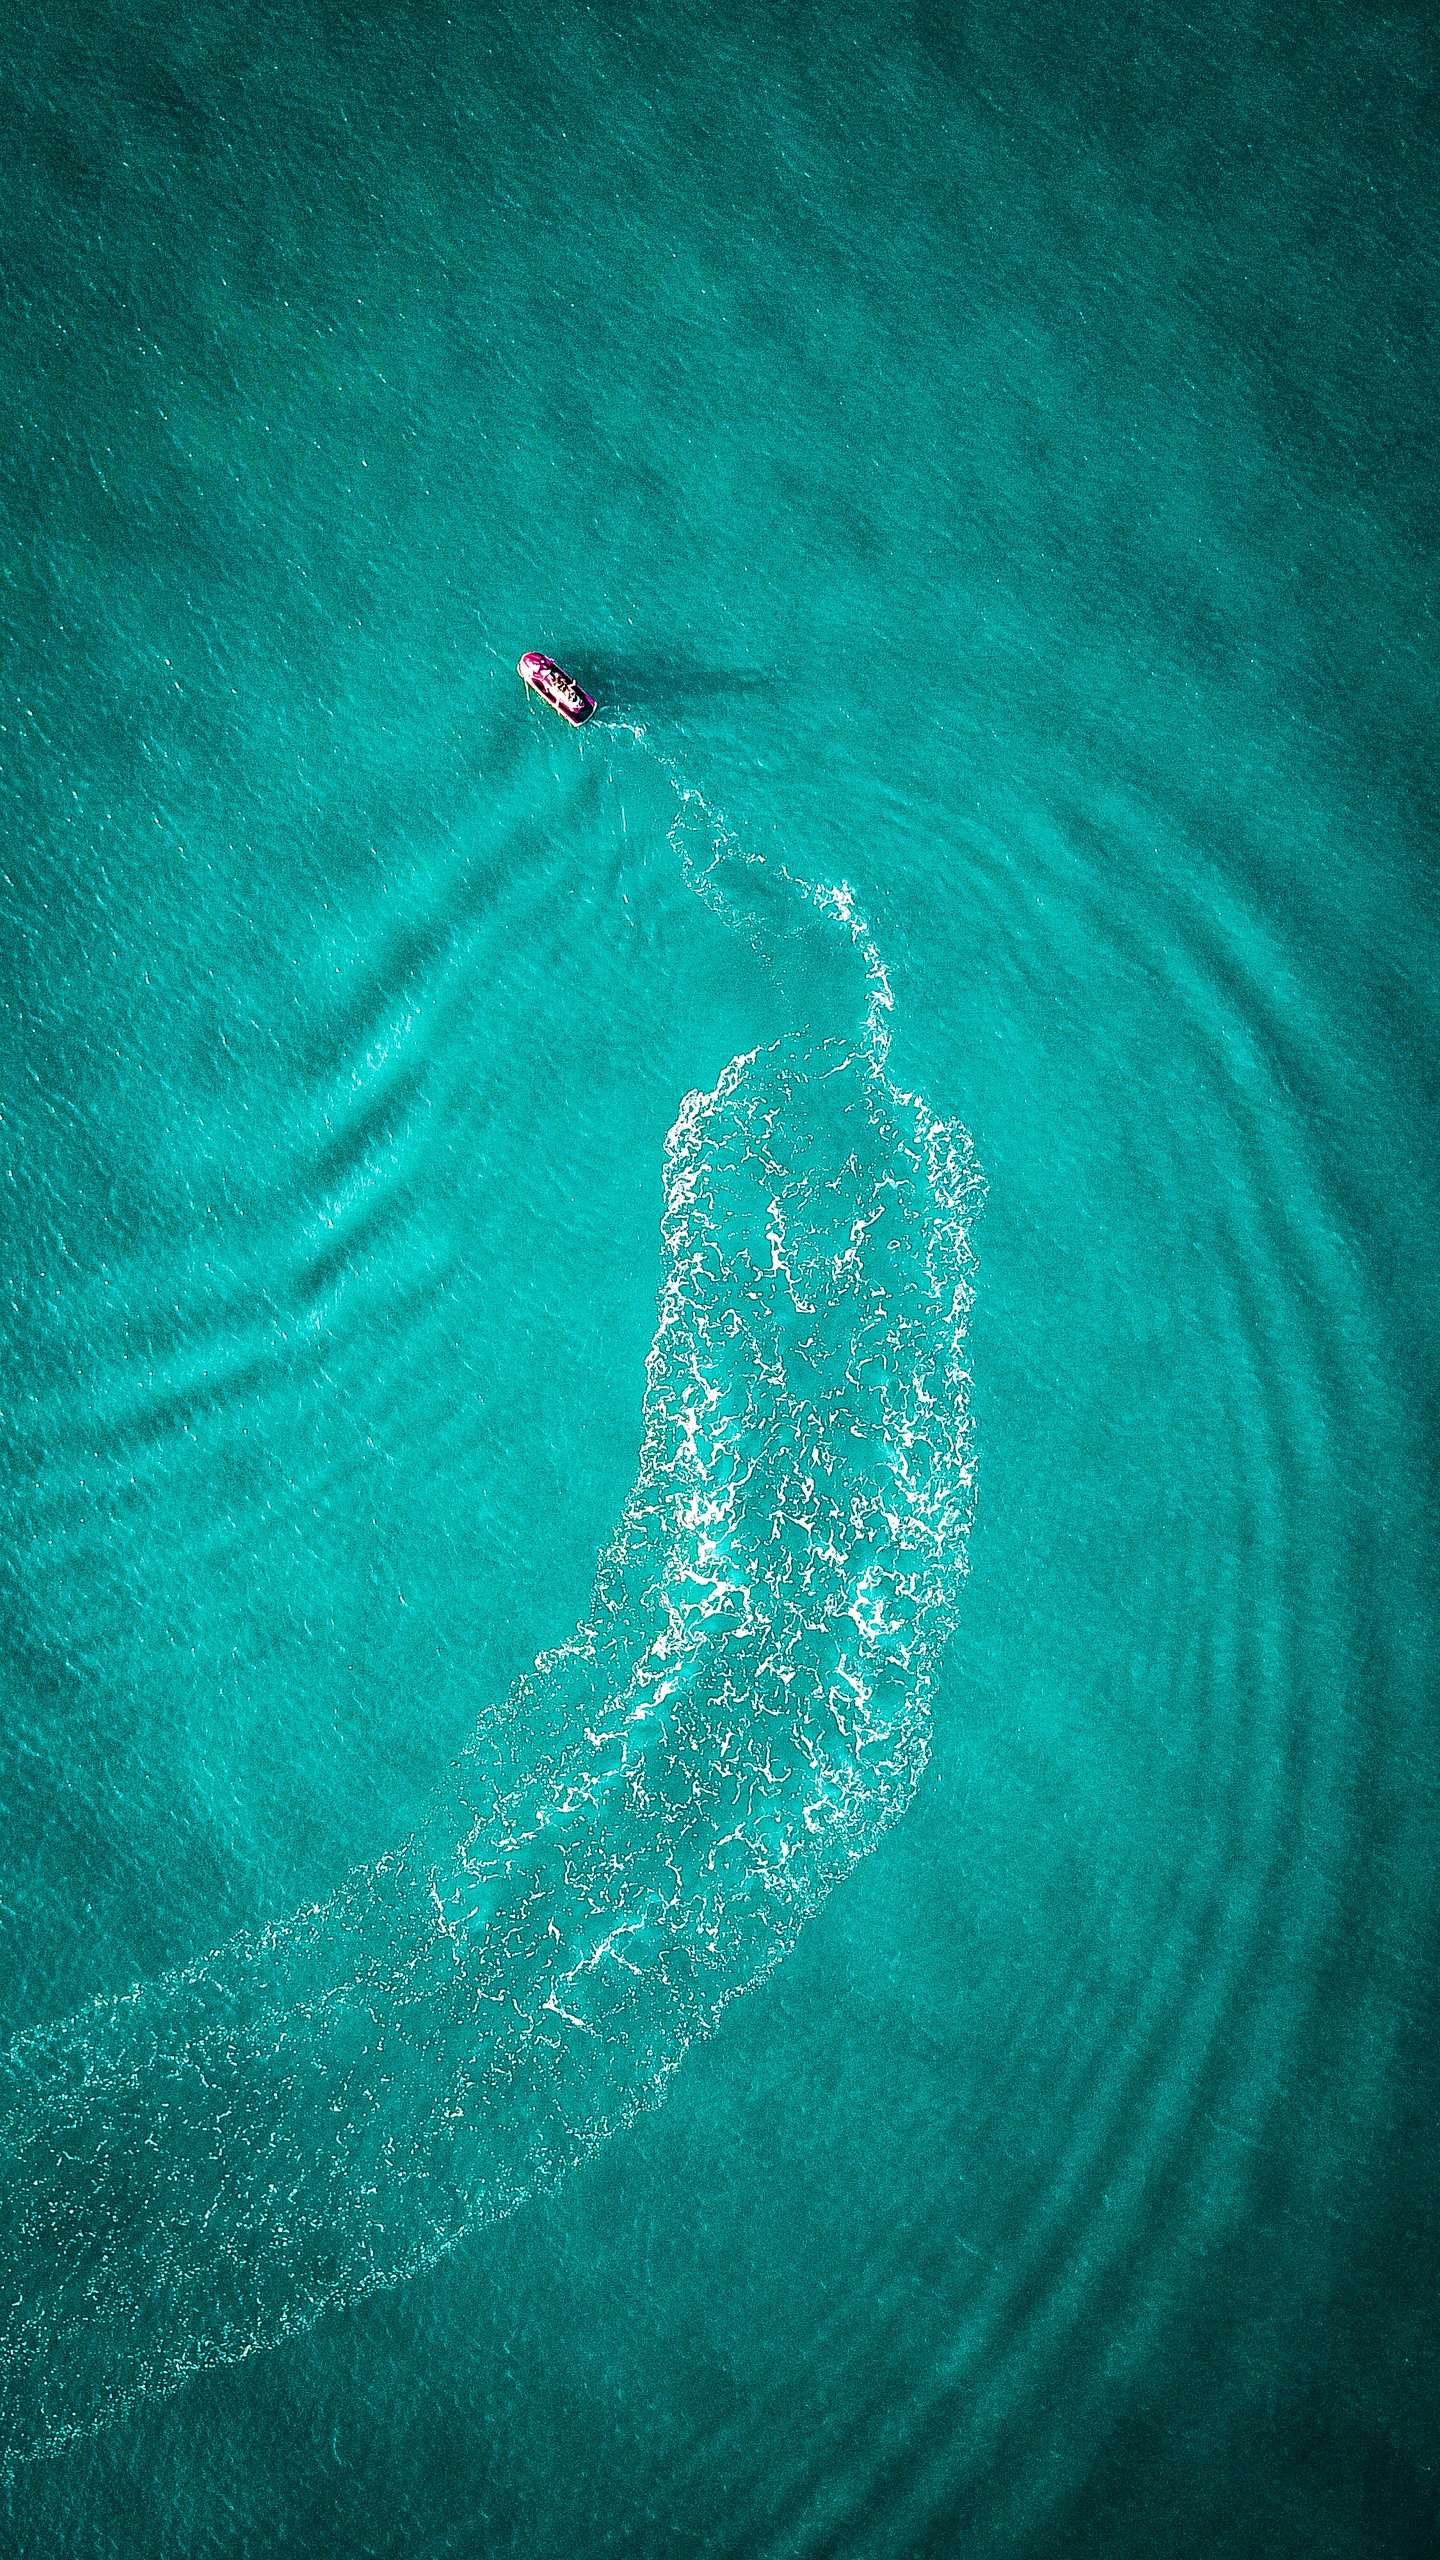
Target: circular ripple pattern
[1114,2126]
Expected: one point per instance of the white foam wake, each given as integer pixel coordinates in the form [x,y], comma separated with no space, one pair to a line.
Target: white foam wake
[632,1839]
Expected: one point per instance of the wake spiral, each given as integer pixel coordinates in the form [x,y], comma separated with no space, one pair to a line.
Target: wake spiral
[631,1840]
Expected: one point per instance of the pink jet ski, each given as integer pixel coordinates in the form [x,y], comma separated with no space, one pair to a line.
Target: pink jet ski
[554,686]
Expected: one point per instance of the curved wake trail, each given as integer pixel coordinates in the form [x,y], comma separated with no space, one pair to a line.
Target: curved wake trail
[632,1839]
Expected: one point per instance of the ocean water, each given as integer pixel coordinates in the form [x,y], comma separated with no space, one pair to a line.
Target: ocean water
[719,1752]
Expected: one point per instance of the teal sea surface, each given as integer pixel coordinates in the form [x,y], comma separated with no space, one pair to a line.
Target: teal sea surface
[718,1434]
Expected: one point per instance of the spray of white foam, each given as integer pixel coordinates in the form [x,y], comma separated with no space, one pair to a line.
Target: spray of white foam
[633,1838]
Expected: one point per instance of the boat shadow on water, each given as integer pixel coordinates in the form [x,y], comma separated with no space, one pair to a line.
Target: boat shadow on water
[669,685]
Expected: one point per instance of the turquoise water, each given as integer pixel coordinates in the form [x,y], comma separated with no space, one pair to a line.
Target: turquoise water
[575,1982]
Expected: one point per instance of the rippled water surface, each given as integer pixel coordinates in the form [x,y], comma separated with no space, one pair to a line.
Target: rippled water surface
[705,1854]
